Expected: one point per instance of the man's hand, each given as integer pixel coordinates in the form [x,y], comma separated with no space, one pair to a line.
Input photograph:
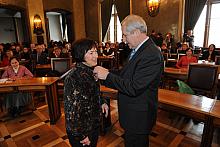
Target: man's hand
[100,72]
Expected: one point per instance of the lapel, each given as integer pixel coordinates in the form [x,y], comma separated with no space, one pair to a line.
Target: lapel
[138,53]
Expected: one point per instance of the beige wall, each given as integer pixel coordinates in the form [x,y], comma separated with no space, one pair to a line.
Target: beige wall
[79,19]
[19,3]
[85,23]
[92,19]
[166,21]
[35,7]
[54,4]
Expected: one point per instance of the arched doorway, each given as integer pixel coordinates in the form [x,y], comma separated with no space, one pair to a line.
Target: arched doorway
[13,23]
[59,25]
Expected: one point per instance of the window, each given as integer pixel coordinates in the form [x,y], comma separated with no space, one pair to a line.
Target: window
[213,31]
[199,29]
[114,33]
[214,25]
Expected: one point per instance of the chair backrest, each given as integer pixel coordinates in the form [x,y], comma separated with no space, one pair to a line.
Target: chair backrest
[217,60]
[61,65]
[165,56]
[181,55]
[203,78]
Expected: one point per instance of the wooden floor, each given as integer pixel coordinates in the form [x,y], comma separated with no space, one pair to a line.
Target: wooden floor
[34,130]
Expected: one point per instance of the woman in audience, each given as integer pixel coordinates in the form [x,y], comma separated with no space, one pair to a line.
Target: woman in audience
[210,54]
[164,48]
[6,59]
[16,101]
[83,105]
[186,60]
[108,51]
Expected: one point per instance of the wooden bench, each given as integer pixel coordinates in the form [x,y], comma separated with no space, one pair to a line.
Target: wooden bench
[196,107]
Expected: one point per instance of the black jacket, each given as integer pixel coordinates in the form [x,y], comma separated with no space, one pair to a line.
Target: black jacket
[82,101]
[205,55]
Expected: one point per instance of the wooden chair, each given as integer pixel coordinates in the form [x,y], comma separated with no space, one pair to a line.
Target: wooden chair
[165,57]
[217,60]
[203,79]
[181,55]
[60,65]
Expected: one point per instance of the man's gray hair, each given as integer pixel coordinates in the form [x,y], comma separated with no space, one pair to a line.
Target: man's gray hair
[133,22]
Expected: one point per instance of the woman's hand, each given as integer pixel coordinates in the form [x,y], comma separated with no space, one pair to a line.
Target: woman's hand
[105,109]
[85,141]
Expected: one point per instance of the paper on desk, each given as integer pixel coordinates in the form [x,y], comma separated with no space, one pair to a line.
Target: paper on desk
[3,80]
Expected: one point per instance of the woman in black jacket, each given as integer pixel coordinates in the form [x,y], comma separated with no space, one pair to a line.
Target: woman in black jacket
[83,105]
[210,53]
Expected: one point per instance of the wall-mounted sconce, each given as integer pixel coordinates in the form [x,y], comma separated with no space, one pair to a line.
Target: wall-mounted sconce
[38,27]
[153,7]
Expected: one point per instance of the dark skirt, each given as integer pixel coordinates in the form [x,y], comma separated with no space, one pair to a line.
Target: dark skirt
[17,99]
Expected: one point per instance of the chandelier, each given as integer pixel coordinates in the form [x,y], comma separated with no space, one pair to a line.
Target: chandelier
[153,7]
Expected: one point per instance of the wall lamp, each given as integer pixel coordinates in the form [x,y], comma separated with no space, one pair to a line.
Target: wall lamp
[153,7]
[38,27]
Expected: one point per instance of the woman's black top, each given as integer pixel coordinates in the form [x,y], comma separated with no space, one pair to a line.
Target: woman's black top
[82,101]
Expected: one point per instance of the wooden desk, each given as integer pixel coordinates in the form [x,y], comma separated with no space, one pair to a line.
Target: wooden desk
[214,121]
[47,84]
[196,107]
[178,73]
[43,66]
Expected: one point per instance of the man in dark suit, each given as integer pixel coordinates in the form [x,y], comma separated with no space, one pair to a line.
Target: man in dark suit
[137,83]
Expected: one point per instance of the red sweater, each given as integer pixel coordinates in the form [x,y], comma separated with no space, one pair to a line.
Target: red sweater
[185,61]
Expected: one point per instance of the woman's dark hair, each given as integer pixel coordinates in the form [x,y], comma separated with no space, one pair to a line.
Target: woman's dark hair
[14,57]
[212,45]
[80,47]
[189,48]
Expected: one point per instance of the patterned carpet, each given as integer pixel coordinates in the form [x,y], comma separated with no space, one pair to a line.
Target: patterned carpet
[34,130]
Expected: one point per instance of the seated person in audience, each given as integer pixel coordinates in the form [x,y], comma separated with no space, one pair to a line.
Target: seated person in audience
[45,50]
[164,48]
[1,52]
[57,53]
[25,55]
[66,51]
[68,47]
[210,54]
[33,48]
[17,51]
[108,51]
[16,101]
[6,59]
[183,48]
[41,58]
[186,60]
[100,49]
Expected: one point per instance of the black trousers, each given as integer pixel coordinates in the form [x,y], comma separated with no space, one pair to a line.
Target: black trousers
[136,140]
[75,141]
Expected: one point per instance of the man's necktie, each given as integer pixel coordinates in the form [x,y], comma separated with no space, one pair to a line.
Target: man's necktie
[132,54]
